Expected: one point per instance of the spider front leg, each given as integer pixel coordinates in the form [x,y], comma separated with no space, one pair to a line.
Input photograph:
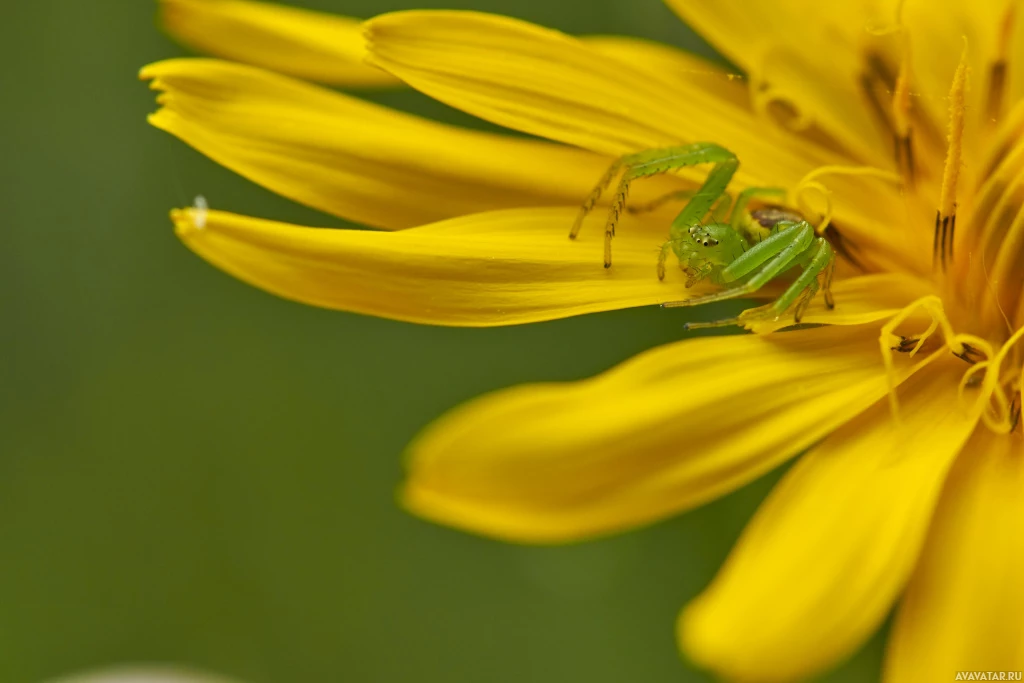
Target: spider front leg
[695,269]
[818,259]
[760,264]
[652,162]
[741,221]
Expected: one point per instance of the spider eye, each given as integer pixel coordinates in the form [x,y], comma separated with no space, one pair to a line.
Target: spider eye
[705,243]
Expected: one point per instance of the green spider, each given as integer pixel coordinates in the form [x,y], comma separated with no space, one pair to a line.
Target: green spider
[739,249]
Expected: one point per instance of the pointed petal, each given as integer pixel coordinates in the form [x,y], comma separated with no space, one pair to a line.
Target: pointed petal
[548,84]
[668,430]
[819,566]
[962,610]
[358,160]
[675,64]
[499,268]
[809,55]
[312,45]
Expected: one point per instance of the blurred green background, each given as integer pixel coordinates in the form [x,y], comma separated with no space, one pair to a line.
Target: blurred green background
[194,471]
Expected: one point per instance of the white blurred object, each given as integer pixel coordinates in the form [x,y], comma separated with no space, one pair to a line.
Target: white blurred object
[201,208]
[141,673]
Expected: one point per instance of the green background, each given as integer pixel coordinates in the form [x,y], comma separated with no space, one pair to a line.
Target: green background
[194,471]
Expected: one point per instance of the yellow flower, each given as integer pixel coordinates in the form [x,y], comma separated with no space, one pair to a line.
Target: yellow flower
[907,396]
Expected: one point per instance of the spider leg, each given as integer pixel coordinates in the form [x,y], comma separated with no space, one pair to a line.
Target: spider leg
[720,209]
[806,284]
[805,300]
[694,274]
[822,259]
[830,272]
[743,200]
[663,256]
[652,162]
[595,195]
[774,255]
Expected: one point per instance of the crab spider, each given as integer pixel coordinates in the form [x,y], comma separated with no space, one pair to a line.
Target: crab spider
[743,253]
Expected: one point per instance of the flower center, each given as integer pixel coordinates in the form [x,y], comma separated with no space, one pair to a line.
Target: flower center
[978,272]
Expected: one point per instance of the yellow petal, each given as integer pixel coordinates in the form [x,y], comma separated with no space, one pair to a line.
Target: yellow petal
[299,42]
[859,300]
[810,55]
[357,160]
[962,610]
[546,83]
[498,268]
[819,566]
[666,61]
[668,430]
[938,37]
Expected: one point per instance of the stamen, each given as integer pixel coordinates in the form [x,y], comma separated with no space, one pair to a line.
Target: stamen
[991,387]
[876,83]
[977,345]
[888,341]
[945,217]
[810,183]
[972,378]
[897,118]
[994,297]
[997,71]
[901,124]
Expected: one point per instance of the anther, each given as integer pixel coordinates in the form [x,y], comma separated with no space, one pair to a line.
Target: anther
[906,344]
[945,217]
[969,354]
[932,305]
[997,70]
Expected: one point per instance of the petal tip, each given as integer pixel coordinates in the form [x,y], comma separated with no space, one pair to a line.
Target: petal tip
[693,641]
[147,72]
[187,222]
[713,645]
